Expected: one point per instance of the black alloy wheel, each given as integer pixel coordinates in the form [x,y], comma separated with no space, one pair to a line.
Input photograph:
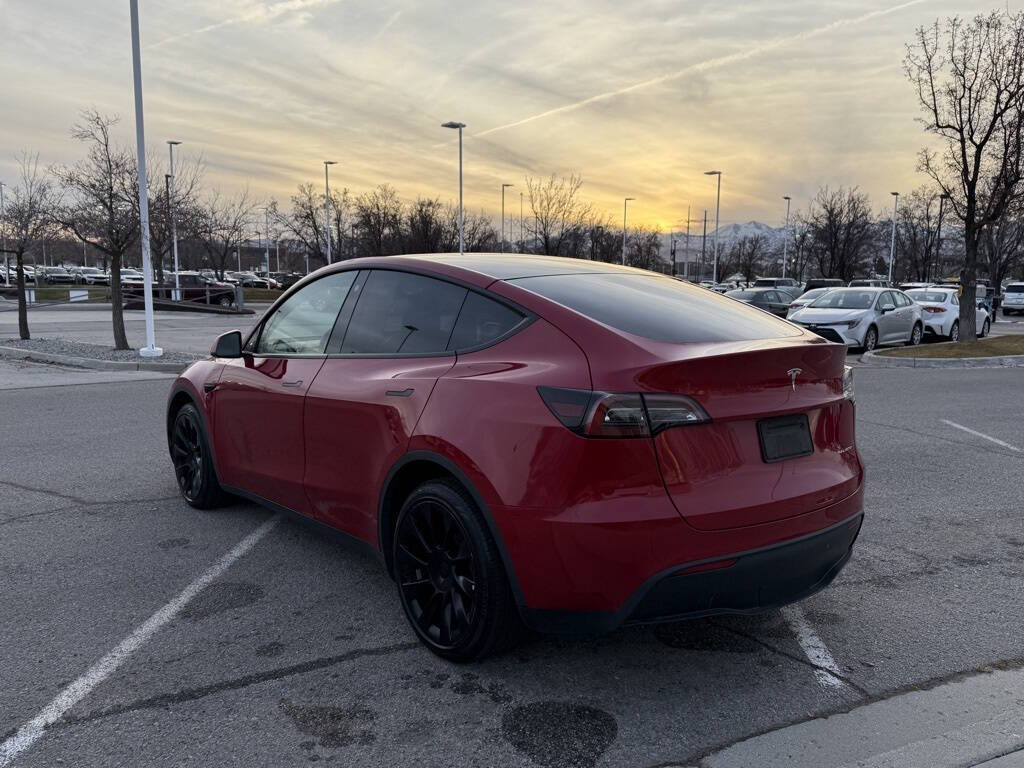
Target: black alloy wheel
[193,465]
[450,576]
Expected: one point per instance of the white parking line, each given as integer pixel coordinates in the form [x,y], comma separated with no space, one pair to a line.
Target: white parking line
[31,731]
[980,434]
[825,667]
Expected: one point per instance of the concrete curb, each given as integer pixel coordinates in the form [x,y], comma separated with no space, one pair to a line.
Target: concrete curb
[16,353]
[885,361]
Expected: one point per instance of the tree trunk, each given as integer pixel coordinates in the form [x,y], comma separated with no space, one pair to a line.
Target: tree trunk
[117,304]
[22,304]
[968,289]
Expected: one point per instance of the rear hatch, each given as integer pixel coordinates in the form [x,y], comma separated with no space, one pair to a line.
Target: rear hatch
[779,437]
[779,443]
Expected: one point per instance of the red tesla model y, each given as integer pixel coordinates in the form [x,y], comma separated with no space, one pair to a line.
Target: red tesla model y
[537,442]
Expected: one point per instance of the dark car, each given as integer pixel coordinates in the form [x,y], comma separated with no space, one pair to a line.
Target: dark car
[823,282]
[771,300]
[286,279]
[523,440]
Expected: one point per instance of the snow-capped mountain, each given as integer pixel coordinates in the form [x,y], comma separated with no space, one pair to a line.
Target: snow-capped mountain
[728,234]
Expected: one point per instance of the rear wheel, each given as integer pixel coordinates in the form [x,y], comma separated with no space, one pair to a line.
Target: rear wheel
[954,332]
[915,335]
[193,460]
[985,328]
[450,576]
[871,339]
[225,301]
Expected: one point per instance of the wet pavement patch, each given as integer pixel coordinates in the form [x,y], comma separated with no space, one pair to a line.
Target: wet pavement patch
[270,649]
[703,636]
[469,685]
[334,726]
[178,543]
[558,734]
[222,596]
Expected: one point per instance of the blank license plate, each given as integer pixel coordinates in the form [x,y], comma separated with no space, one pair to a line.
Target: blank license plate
[785,437]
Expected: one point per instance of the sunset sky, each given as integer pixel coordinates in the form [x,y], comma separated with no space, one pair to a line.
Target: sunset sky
[640,97]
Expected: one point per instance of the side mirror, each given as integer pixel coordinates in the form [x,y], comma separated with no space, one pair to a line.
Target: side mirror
[887,308]
[228,345]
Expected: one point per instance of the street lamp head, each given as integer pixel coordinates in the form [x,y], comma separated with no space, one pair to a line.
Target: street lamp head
[786,197]
[629,198]
[503,186]
[453,124]
[712,173]
[330,162]
[895,194]
[173,143]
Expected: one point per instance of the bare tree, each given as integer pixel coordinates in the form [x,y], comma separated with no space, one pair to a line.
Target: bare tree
[378,219]
[559,216]
[1003,249]
[102,202]
[187,186]
[748,254]
[643,248]
[917,234]
[304,223]
[222,226]
[840,230]
[26,221]
[969,79]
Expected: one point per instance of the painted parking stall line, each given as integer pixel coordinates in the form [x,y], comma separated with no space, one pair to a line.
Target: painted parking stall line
[970,431]
[826,670]
[30,732]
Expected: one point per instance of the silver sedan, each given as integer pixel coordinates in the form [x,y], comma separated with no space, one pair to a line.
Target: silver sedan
[863,317]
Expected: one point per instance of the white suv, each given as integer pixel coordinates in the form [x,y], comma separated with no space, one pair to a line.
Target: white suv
[1013,299]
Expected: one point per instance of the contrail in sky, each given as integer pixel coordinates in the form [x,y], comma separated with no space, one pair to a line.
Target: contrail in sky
[257,15]
[703,66]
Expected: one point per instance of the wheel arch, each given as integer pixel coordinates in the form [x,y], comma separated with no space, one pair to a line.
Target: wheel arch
[411,471]
[181,396]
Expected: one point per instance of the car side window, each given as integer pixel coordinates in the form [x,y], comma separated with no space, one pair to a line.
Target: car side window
[400,313]
[481,321]
[955,299]
[885,297]
[303,323]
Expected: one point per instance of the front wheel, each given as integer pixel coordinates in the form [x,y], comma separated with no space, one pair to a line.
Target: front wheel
[193,460]
[225,301]
[871,339]
[915,336]
[954,332]
[450,576]
[985,328]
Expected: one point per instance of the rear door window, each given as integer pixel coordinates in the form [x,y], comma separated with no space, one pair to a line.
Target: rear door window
[401,313]
[658,308]
[481,321]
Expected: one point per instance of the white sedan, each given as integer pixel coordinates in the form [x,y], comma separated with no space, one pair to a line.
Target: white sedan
[941,312]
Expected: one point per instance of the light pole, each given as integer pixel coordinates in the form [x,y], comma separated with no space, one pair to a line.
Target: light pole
[327,207]
[892,244]
[718,209]
[503,188]
[151,349]
[170,206]
[522,244]
[459,127]
[3,224]
[624,204]
[785,236]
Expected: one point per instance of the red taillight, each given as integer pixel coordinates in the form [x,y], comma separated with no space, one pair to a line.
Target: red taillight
[620,414]
[934,310]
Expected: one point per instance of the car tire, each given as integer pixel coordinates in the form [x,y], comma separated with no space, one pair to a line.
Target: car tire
[954,331]
[870,339]
[985,327]
[915,336]
[225,301]
[451,580]
[193,460]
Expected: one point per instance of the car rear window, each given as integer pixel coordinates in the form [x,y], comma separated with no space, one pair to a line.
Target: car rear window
[1015,288]
[938,297]
[658,308]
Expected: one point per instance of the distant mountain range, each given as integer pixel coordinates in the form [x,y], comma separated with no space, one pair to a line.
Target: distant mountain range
[729,233]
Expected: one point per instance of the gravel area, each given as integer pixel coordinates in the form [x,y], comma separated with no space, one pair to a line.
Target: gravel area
[60,346]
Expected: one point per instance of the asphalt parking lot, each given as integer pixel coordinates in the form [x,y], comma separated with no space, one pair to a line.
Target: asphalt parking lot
[288,647]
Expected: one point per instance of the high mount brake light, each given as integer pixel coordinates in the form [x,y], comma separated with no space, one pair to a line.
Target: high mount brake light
[620,414]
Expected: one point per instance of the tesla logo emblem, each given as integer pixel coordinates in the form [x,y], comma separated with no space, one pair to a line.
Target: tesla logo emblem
[793,373]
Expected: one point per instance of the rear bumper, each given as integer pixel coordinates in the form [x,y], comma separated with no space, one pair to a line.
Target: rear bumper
[748,582]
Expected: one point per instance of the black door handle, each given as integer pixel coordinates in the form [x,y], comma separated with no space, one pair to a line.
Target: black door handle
[400,392]
[296,383]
